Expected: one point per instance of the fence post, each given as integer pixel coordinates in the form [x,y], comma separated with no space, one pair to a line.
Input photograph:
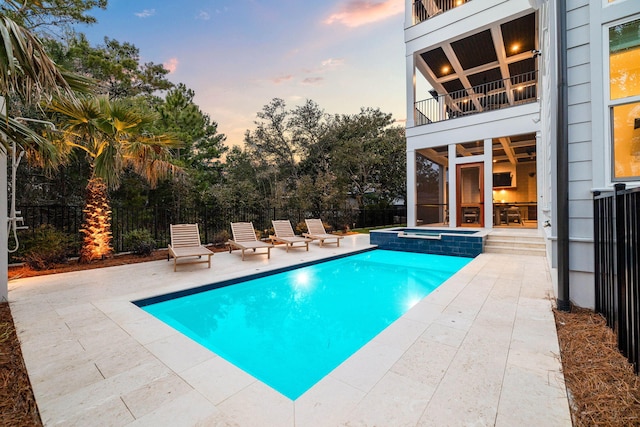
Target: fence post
[205,224]
[597,268]
[623,315]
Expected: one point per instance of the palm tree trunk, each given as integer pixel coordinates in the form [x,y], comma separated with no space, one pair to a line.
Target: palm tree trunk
[96,228]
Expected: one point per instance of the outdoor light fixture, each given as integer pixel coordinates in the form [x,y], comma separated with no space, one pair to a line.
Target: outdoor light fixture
[515,47]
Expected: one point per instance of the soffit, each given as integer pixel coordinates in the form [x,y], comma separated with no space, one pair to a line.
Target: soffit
[498,52]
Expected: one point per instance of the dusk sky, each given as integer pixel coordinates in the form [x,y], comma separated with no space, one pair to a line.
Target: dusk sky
[239,54]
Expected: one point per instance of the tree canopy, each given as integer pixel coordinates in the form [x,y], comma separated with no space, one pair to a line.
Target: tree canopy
[308,159]
[36,14]
[295,157]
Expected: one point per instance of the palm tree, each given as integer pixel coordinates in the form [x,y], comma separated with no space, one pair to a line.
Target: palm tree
[27,71]
[112,136]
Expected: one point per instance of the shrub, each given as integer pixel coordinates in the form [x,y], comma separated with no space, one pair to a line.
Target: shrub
[219,239]
[140,242]
[45,247]
[301,227]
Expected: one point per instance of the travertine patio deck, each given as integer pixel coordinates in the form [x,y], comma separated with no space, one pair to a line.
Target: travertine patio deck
[480,350]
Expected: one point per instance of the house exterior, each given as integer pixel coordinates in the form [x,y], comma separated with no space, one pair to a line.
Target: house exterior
[517,112]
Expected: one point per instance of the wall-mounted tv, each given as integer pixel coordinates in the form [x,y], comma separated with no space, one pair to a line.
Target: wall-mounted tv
[502,179]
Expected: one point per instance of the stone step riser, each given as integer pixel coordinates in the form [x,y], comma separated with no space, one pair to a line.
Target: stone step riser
[515,239]
[497,250]
[509,243]
[519,245]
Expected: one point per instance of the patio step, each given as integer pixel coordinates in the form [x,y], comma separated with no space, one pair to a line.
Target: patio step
[515,244]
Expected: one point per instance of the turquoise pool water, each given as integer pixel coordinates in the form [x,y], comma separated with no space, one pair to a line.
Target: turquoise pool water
[291,329]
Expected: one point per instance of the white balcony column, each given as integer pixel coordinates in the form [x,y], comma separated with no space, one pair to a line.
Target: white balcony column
[408,13]
[540,178]
[411,91]
[442,110]
[453,194]
[488,179]
[411,188]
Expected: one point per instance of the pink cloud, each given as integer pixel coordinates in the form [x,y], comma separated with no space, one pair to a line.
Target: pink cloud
[356,13]
[171,65]
[282,79]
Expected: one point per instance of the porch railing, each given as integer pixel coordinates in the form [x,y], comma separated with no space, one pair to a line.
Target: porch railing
[617,266]
[515,90]
[425,9]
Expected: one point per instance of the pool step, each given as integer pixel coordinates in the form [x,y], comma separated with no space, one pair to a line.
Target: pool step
[515,244]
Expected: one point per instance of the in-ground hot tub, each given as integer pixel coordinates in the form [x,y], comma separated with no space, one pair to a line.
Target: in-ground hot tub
[452,241]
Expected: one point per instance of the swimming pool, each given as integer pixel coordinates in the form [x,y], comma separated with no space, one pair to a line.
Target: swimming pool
[291,329]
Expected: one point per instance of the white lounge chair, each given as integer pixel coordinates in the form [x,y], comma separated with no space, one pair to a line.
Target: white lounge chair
[316,231]
[244,238]
[185,243]
[283,233]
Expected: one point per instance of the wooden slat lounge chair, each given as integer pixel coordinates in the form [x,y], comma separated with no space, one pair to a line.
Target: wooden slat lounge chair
[185,243]
[316,231]
[283,233]
[244,238]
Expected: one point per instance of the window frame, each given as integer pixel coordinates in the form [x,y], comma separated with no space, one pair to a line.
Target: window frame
[611,103]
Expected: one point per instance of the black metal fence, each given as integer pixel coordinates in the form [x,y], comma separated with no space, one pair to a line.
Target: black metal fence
[213,221]
[617,266]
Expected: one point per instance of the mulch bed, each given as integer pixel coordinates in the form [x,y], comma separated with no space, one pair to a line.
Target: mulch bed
[22,271]
[603,389]
[17,404]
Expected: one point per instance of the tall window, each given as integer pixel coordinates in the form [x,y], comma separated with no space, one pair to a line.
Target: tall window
[624,93]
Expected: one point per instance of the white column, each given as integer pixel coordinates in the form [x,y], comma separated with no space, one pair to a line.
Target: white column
[4,254]
[453,193]
[408,13]
[411,90]
[540,178]
[488,183]
[411,188]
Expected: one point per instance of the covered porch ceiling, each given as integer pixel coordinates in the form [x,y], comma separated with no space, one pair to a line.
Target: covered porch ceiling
[515,149]
[494,53]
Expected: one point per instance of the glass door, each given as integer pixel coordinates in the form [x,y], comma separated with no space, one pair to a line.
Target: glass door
[470,195]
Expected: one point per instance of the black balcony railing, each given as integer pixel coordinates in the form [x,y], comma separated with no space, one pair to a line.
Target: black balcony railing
[425,9]
[617,266]
[515,90]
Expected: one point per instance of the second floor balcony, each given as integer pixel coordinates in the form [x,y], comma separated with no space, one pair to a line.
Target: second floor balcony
[515,90]
[425,9]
